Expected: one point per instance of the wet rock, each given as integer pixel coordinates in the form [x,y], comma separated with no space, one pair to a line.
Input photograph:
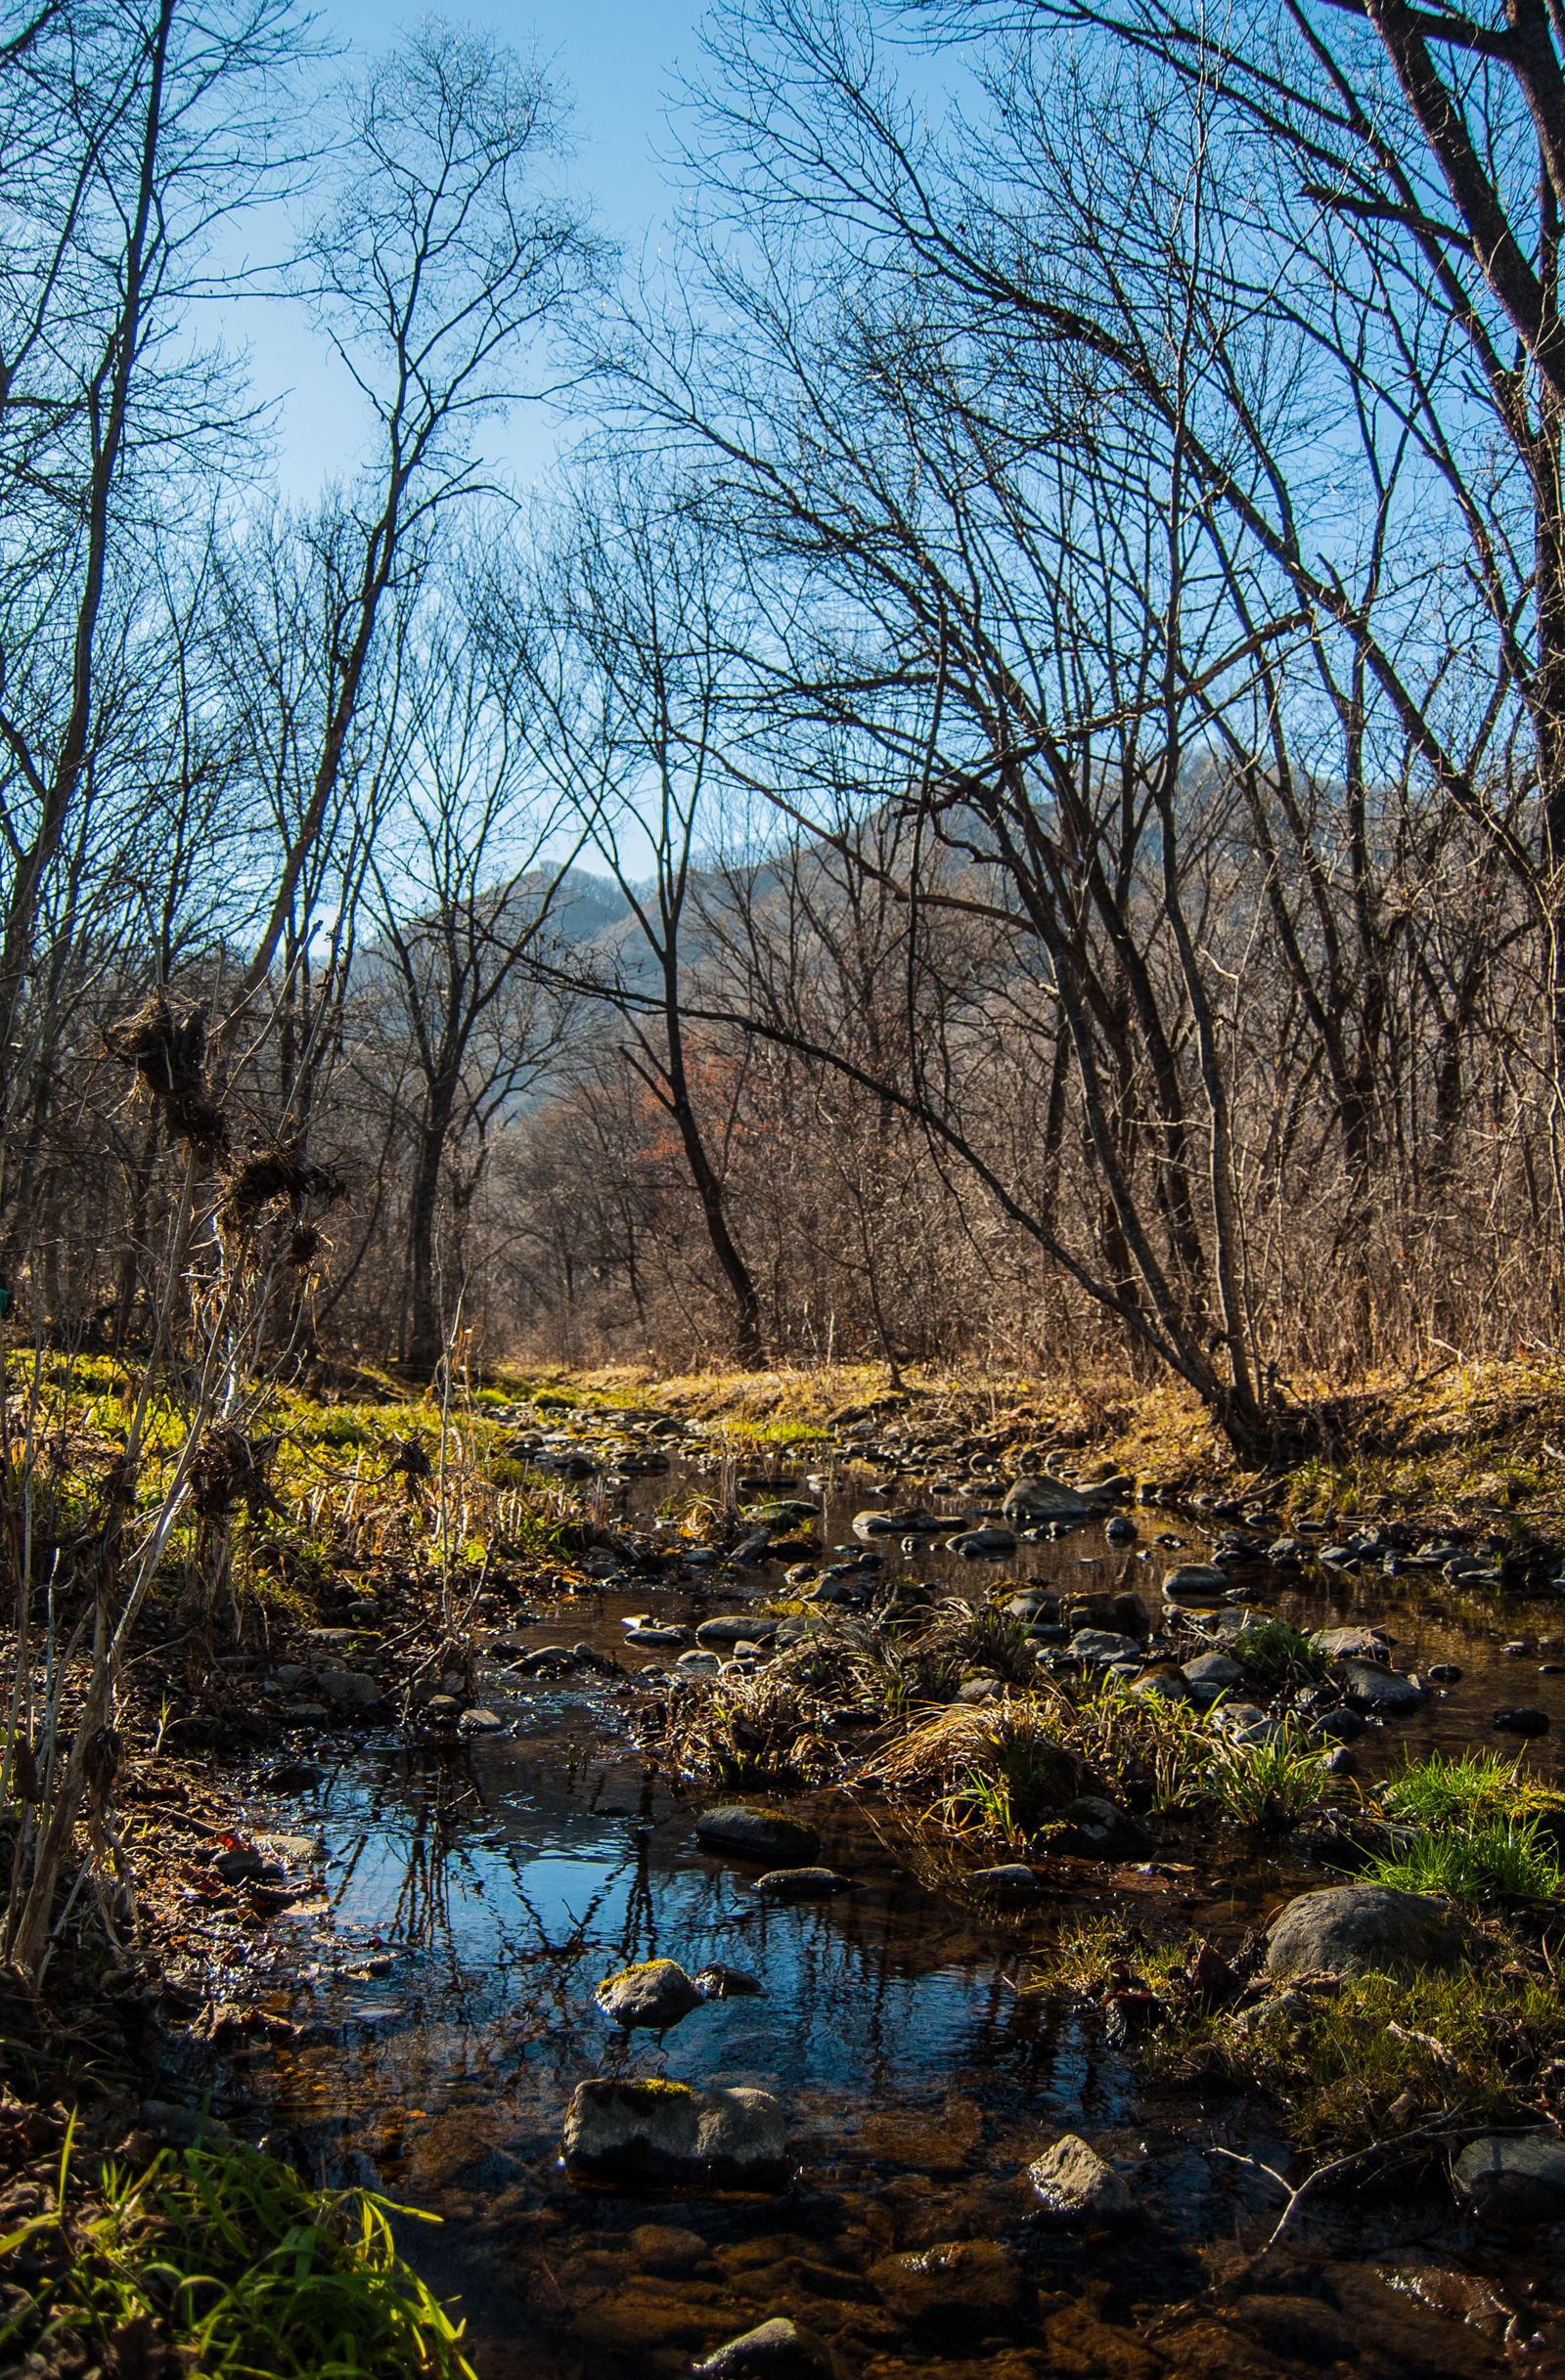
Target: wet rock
[778,2350]
[480,1720]
[756,1834]
[803,1883]
[1096,1830]
[1076,2185]
[718,1982]
[698,1664]
[1387,1693]
[978,1689]
[1196,1579]
[1238,1718]
[896,1525]
[1040,1499]
[666,2247]
[653,1632]
[668,2132]
[753,1628]
[1100,1646]
[982,1544]
[1011,1883]
[1360,1928]
[1515,2179]
[1350,1644]
[1287,1553]
[1121,1530]
[1524,1720]
[967,2281]
[654,1995]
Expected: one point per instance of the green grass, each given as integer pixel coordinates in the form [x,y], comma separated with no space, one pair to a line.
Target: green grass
[1494,1858]
[1277,1654]
[1266,1785]
[230,2259]
[1466,1790]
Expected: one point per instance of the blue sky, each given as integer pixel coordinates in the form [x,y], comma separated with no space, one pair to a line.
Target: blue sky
[617,61]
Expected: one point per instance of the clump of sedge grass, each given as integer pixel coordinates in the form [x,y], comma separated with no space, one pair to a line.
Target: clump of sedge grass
[999,1766]
[1489,1861]
[1466,1790]
[1268,1784]
[1277,1654]
[227,2260]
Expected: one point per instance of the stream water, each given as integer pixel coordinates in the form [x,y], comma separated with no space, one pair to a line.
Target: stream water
[475,1893]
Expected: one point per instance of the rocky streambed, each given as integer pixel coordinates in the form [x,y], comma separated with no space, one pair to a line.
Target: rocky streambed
[858,2089]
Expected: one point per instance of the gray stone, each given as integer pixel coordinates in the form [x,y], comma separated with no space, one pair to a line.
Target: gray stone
[1356,1929]
[1350,1644]
[752,1629]
[1197,1579]
[1214,1669]
[1040,1499]
[1163,1685]
[778,2350]
[654,1995]
[1337,1727]
[1515,2179]
[1386,1691]
[978,1689]
[668,2132]
[803,1883]
[979,1545]
[1099,1645]
[896,1525]
[1238,1718]
[480,1720]
[1076,2185]
[1524,1721]
[651,1632]
[698,1664]
[1011,1883]
[363,1689]
[756,1834]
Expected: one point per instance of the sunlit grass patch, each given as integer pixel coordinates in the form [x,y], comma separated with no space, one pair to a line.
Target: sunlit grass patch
[1494,1858]
[1277,1653]
[237,2266]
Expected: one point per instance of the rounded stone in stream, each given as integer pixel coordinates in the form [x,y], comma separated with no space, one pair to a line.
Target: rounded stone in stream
[1099,1645]
[1516,2179]
[1386,1691]
[1076,2185]
[666,2131]
[1041,1499]
[1523,1721]
[751,1629]
[918,1523]
[778,2350]
[1357,1929]
[1351,1644]
[718,1982]
[803,1883]
[1213,1669]
[1011,1883]
[480,1722]
[654,1995]
[982,1544]
[963,2282]
[1196,1579]
[1097,1830]
[1121,1531]
[756,1834]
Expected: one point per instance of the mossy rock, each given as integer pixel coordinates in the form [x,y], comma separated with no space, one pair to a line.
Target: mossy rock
[755,1833]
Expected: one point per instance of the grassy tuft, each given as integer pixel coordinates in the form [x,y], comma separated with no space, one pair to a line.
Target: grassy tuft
[230,2261]
[1496,1858]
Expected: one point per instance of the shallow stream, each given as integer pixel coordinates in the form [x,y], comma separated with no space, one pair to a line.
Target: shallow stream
[477,1891]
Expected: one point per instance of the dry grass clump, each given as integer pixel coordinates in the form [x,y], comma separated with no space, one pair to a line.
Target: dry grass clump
[763,1732]
[998,1769]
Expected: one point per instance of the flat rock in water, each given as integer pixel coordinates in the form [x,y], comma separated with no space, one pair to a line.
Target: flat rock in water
[1355,1930]
[1515,2179]
[803,1883]
[1011,1882]
[756,1834]
[1197,1580]
[1076,2185]
[480,1722]
[1522,1721]
[666,2131]
[1350,1644]
[714,1981]
[896,1525]
[957,2279]
[975,1545]
[654,1995]
[656,1632]
[778,2350]
[1041,1499]
[752,1629]
[1368,1687]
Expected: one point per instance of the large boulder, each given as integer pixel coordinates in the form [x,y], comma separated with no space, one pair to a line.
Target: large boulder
[1354,1929]
[756,1834]
[778,2350]
[1516,2179]
[666,2131]
[654,1995]
[1076,2185]
[1037,1499]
